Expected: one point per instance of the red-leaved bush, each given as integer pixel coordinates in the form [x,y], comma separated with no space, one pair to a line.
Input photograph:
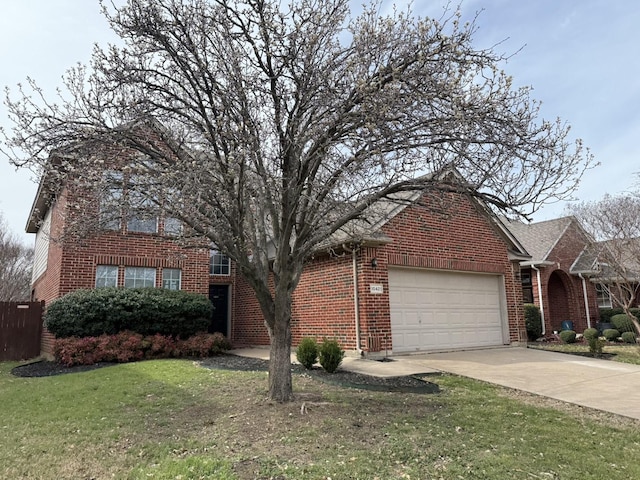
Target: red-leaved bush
[129,346]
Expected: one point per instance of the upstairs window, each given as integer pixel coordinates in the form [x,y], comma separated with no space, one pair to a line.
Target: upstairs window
[141,210]
[110,198]
[219,264]
[172,227]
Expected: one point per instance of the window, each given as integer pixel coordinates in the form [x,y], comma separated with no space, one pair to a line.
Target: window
[111,201]
[603,296]
[106,276]
[138,277]
[219,264]
[171,278]
[141,209]
[172,226]
[527,287]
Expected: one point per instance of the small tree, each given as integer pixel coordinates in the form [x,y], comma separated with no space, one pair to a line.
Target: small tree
[614,251]
[15,267]
[278,124]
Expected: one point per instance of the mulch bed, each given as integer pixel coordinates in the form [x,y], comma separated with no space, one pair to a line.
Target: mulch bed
[344,378]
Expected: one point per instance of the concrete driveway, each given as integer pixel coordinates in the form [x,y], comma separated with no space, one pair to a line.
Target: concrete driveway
[600,384]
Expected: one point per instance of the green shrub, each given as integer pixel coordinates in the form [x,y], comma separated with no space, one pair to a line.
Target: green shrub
[330,355]
[307,352]
[90,313]
[607,313]
[611,334]
[532,321]
[623,323]
[596,345]
[590,333]
[628,337]
[568,336]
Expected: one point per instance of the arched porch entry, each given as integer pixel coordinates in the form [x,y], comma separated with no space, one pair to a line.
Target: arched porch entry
[559,297]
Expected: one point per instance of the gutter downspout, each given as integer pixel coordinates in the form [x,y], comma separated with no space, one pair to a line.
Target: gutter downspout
[586,302]
[356,300]
[540,298]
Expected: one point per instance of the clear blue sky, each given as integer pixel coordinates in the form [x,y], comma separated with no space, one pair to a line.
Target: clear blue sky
[581,57]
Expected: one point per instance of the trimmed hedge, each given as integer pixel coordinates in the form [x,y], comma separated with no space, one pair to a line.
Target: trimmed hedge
[611,334]
[532,321]
[623,323]
[147,311]
[568,336]
[591,333]
[628,337]
[129,346]
[607,313]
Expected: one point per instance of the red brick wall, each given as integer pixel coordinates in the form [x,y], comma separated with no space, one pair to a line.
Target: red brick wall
[449,232]
[461,240]
[572,306]
[72,265]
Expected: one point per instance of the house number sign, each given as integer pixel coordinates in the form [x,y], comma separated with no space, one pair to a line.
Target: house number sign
[376,288]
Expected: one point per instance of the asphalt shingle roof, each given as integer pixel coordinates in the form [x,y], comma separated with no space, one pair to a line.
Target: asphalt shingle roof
[539,238]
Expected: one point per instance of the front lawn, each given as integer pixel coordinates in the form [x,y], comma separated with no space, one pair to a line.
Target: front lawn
[623,352]
[170,419]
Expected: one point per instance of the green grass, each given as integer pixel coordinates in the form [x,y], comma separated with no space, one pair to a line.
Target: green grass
[623,352]
[170,419]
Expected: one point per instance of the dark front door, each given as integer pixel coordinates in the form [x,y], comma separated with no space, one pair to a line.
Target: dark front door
[219,296]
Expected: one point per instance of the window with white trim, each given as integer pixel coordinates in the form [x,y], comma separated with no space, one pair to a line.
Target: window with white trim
[139,277]
[111,201]
[171,278]
[219,264]
[172,226]
[603,296]
[106,276]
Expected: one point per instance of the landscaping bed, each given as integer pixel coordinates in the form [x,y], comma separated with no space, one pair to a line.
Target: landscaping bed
[344,378]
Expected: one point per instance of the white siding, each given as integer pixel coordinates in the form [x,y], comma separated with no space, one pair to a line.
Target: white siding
[41,251]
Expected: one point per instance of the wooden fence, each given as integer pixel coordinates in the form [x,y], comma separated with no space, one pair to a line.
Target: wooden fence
[20,330]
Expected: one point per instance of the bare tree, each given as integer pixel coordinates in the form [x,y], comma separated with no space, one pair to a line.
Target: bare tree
[15,267]
[278,124]
[614,226]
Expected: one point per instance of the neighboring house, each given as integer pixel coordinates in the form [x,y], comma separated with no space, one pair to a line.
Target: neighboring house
[552,278]
[437,273]
[612,266]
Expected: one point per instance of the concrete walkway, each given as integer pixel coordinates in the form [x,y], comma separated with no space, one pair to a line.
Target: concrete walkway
[601,384]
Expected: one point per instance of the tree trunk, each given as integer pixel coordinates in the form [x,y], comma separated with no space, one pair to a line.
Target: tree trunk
[280,384]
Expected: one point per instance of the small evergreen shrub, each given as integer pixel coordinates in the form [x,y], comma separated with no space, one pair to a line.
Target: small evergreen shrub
[307,352]
[590,333]
[628,337]
[568,336]
[611,334]
[91,313]
[330,355]
[607,313]
[623,323]
[532,321]
[596,344]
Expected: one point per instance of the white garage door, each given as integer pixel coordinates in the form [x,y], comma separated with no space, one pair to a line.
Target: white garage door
[436,310]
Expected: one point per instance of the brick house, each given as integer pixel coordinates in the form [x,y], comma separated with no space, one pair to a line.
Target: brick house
[439,273]
[553,278]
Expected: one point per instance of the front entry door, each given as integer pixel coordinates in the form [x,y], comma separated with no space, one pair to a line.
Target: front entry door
[219,296]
